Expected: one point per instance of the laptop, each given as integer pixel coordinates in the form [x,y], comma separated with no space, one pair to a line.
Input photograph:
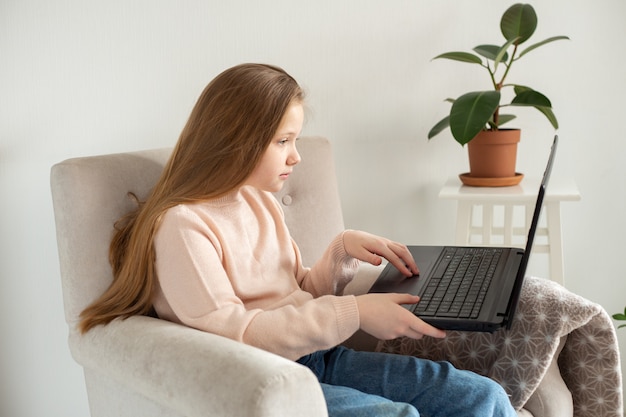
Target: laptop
[451,297]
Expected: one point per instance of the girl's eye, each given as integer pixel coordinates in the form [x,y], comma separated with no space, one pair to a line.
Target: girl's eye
[283,141]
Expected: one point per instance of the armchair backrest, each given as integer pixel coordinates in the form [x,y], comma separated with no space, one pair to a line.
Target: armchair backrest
[90,193]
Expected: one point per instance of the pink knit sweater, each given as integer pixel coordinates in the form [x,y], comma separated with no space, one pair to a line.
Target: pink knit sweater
[229,266]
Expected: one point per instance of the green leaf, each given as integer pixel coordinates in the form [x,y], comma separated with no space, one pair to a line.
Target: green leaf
[461,56]
[519,88]
[519,21]
[547,111]
[502,53]
[529,97]
[620,316]
[505,118]
[441,125]
[538,44]
[471,112]
[490,52]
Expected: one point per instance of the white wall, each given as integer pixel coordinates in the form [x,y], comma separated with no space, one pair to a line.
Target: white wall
[86,77]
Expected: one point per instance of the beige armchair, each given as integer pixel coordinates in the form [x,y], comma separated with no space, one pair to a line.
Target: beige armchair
[144,366]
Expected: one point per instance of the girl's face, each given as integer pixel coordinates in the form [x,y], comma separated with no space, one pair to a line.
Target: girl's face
[281,155]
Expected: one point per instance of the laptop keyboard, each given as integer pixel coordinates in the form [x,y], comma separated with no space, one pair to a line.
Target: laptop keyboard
[459,284]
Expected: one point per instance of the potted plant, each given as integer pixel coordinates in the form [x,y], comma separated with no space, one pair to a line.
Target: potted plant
[475,118]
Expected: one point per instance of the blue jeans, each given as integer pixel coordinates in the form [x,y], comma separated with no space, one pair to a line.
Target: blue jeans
[368,384]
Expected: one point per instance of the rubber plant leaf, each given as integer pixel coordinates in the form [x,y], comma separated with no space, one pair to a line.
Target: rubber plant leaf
[538,44]
[547,111]
[441,125]
[502,53]
[490,52]
[461,56]
[528,97]
[505,118]
[519,21]
[620,316]
[471,112]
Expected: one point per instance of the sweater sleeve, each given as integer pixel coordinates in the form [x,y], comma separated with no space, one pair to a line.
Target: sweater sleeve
[331,273]
[195,289]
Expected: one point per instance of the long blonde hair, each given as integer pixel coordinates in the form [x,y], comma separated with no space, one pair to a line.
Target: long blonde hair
[228,131]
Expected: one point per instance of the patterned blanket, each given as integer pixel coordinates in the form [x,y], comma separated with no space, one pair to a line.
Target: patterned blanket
[519,358]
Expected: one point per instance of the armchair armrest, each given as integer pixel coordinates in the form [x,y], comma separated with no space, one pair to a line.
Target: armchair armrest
[198,373]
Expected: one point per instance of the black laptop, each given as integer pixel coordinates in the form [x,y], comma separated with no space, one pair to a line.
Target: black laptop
[469,288]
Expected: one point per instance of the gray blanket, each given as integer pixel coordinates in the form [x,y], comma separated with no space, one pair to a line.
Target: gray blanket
[519,358]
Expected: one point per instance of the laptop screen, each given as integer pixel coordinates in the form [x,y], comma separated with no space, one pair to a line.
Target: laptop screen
[531,233]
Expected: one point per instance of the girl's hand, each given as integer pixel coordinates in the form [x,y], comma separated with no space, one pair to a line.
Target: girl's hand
[383,317]
[370,248]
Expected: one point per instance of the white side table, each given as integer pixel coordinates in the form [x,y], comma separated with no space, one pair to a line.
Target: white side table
[502,216]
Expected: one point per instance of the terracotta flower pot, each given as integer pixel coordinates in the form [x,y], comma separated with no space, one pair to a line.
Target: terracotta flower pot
[492,158]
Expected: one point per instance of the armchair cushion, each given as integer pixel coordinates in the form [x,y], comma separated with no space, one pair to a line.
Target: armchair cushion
[196,373]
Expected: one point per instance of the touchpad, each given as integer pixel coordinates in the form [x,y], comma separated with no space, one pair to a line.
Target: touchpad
[392,280]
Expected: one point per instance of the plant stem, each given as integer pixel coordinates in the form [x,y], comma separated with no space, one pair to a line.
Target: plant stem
[498,85]
[508,68]
[492,74]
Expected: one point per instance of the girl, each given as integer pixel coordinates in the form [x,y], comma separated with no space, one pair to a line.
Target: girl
[210,249]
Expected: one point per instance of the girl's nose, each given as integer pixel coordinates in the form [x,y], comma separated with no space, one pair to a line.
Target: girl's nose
[294,157]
